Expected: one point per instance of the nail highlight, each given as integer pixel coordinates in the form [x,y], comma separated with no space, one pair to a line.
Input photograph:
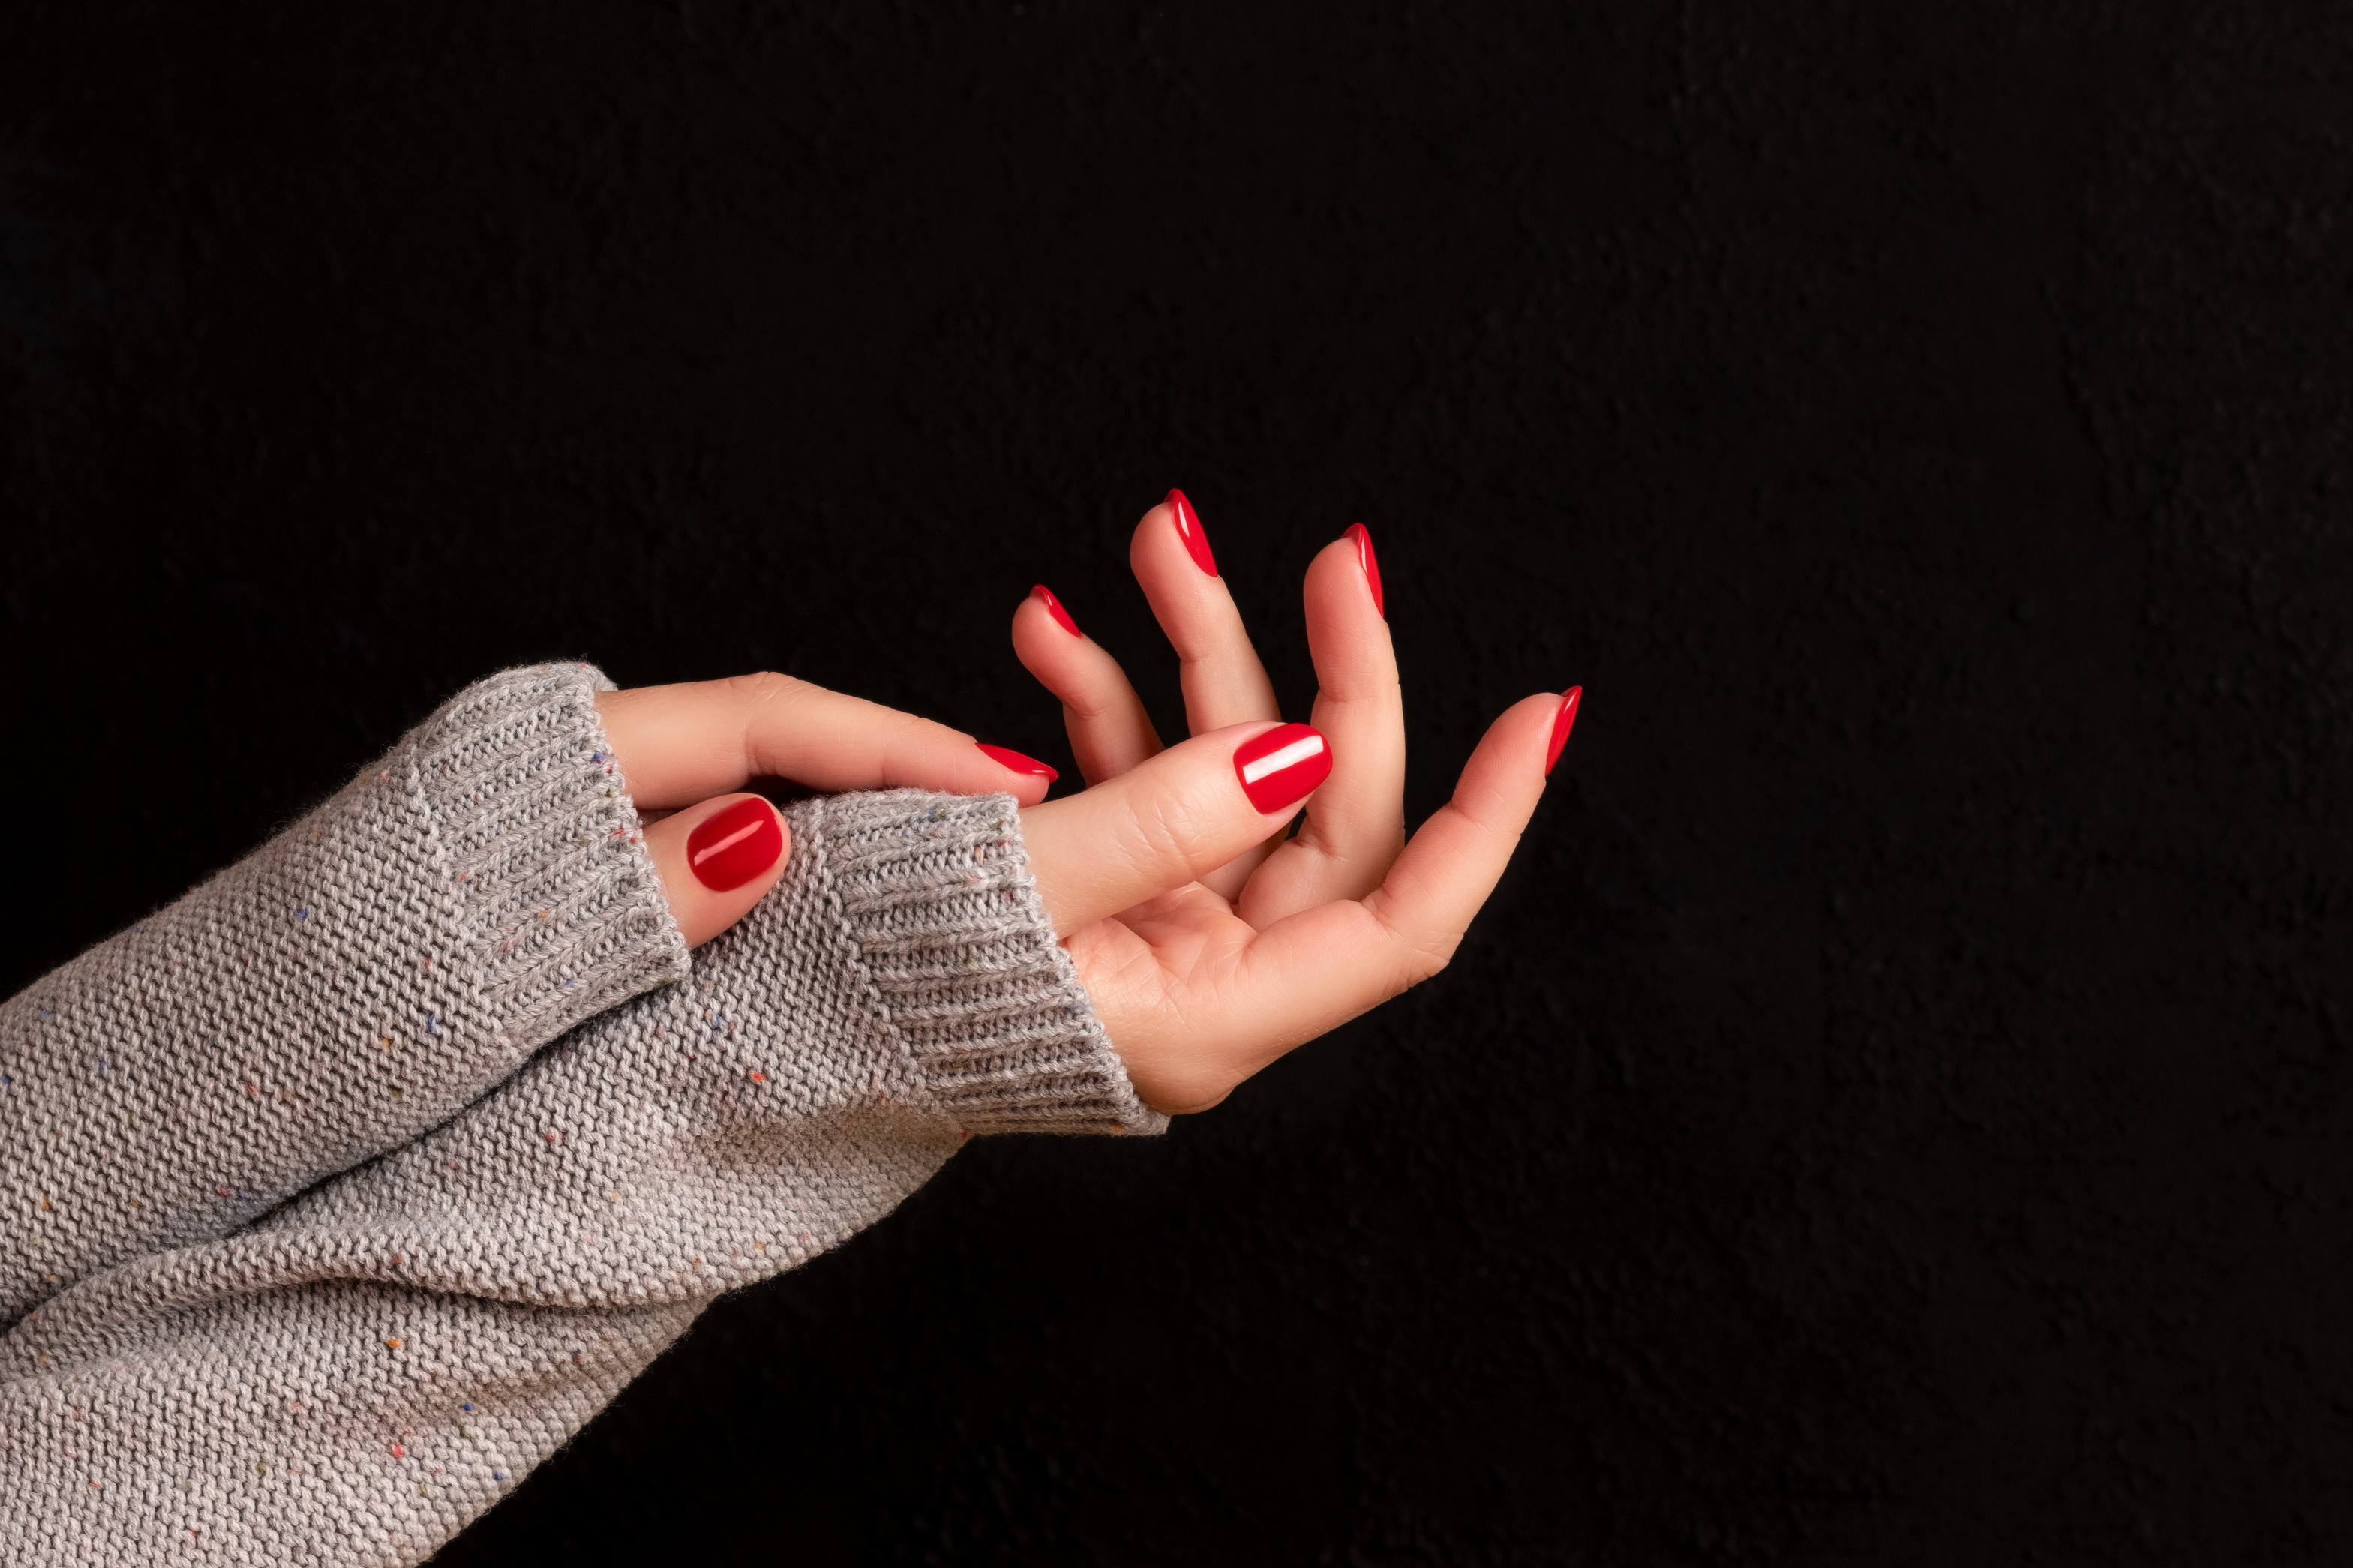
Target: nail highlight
[1362,538]
[1188,529]
[730,847]
[1007,757]
[1045,596]
[1562,724]
[1279,768]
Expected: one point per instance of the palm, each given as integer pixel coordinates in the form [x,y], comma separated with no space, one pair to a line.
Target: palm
[1157,972]
[1161,955]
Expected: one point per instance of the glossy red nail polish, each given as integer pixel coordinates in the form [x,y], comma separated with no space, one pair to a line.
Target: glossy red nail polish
[1045,596]
[1007,757]
[1188,529]
[1562,724]
[1280,767]
[729,849]
[1362,537]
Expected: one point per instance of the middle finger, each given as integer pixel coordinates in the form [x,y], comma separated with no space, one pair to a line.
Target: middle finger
[1224,682]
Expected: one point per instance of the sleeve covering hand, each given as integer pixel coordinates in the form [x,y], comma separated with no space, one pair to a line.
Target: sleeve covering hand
[351,1374]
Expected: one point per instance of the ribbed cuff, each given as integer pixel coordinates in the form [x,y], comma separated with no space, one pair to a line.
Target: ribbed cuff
[563,910]
[936,891]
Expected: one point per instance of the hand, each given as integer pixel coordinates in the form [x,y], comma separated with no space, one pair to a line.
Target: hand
[686,752]
[1245,944]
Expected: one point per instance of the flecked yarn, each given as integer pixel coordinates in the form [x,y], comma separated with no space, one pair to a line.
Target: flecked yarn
[343,1191]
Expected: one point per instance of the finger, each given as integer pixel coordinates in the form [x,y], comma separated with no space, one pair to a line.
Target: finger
[1161,825]
[1356,826]
[1224,682]
[1314,972]
[715,858]
[679,745]
[1110,730]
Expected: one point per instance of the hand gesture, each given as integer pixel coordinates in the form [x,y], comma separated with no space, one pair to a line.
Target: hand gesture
[1210,943]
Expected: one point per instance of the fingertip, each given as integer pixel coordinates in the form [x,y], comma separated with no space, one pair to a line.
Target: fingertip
[1042,650]
[1504,776]
[1030,776]
[739,842]
[1281,767]
[1564,720]
[1348,635]
[1338,557]
[1170,533]
[717,859]
[1524,732]
[1044,595]
[1188,523]
[1005,757]
[1360,539]
[1153,530]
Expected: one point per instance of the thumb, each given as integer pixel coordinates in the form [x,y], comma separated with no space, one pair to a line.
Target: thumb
[1164,822]
[716,858]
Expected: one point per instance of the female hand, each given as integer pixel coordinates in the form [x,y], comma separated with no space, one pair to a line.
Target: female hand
[1257,944]
[686,752]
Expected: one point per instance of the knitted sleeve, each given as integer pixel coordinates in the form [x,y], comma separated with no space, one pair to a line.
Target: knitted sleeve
[348,986]
[355,1376]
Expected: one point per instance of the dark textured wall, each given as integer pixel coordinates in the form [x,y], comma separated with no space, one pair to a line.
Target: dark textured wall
[1895,1111]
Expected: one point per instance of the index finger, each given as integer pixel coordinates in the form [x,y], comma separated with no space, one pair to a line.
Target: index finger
[682,743]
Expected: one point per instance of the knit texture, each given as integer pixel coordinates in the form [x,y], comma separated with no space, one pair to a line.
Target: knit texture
[379,964]
[353,1376]
[935,895]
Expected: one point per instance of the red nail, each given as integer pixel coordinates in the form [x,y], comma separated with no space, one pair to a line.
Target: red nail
[1280,767]
[1362,538]
[1562,724]
[1045,596]
[730,847]
[1188,529]
[1005,757]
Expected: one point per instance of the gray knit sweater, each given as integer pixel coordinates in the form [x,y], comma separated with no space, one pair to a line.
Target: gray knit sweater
[341,1192]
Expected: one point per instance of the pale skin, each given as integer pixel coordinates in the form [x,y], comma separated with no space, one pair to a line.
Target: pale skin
[1210,943]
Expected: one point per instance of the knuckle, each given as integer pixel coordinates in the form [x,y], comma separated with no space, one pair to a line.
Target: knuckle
[1092,700]
[1160,838]
[764,688]
[1425,957]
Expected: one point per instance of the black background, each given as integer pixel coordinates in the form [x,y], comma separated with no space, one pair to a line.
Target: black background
[1896,1109]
